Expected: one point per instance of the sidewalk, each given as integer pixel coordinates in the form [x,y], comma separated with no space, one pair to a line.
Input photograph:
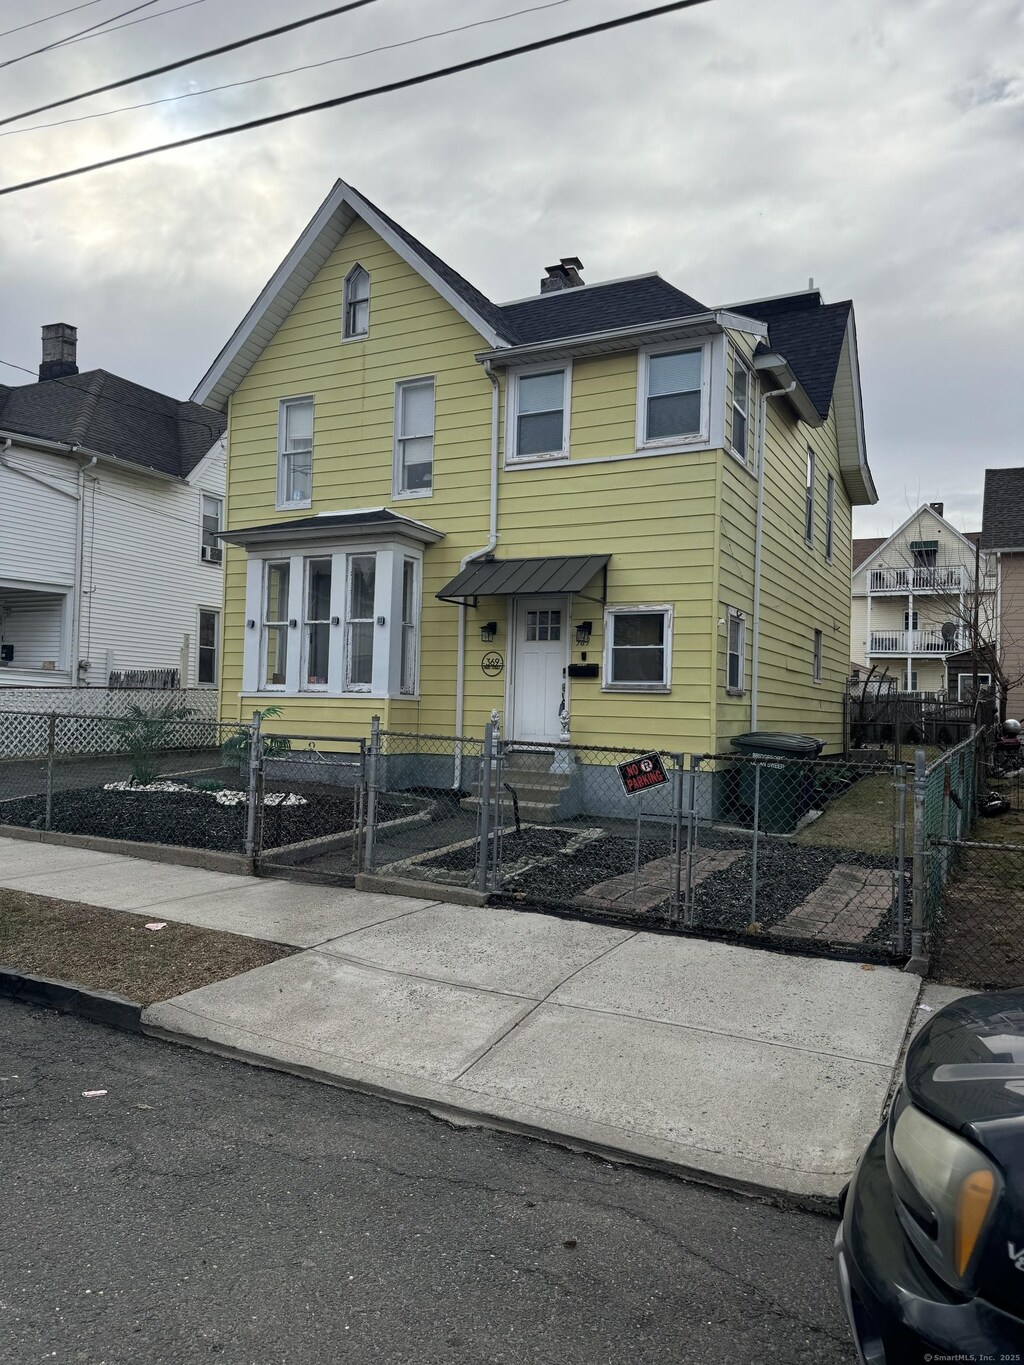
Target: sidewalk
[749,1068]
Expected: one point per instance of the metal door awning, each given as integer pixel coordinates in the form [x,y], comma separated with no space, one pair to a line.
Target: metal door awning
[530,577]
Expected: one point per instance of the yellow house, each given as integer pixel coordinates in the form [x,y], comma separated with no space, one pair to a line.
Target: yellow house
[606,512]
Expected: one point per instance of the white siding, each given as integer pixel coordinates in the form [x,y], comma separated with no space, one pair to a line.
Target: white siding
[38,518]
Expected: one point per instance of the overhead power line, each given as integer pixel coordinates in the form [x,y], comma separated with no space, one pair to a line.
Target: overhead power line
[59,42]
[32,23]
[187,61]
[146,19]
[274,75]
[339,100]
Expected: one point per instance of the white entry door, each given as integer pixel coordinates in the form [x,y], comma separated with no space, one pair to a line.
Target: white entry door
[540,657]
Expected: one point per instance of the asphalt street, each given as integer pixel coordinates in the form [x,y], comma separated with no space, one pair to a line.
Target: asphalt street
[204,1210]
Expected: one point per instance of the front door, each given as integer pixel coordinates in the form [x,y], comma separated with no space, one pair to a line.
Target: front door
[540,658]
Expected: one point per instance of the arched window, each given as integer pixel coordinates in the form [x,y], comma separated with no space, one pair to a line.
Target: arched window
[357,303]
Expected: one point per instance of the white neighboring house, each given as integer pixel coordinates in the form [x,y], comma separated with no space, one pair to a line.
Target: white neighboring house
[111,496]
[906,588]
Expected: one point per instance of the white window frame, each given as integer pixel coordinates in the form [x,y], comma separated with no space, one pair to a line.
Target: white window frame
[984,680]
[216,555]
[810,478]
[347,333]
[830,519]
[348,686]
[818,657]
[746,458]
[698,438]
[636,609]
[512,456]
[738,618]
[216,614]
[400,437]
[265,623]
[409,677]
[284,404]
[913,679]
[306,621]
[911,619]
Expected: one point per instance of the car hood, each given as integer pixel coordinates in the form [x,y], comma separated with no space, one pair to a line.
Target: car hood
[966,1068]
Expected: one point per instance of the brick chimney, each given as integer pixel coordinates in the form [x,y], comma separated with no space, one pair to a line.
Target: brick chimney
[937,507]
[564,275]
[60,351]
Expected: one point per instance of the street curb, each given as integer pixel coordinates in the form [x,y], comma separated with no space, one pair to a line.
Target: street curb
[209,859]
[102,1007]
[459,1117]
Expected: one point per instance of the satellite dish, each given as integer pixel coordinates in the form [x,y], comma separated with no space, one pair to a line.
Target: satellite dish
[949,629]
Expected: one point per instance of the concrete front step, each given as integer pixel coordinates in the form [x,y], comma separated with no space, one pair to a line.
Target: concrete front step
[535,812]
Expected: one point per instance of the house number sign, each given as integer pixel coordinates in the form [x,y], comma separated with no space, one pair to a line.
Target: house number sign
[492,663]
[638,774]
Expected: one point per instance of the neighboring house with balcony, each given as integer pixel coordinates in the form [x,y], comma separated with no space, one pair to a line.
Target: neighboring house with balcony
[914,597]
[1002,538]
[111,500]
[606,511]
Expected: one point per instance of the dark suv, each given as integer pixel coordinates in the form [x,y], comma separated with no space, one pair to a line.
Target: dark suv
[930,1252]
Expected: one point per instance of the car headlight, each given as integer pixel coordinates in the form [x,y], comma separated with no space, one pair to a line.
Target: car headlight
[954,1191]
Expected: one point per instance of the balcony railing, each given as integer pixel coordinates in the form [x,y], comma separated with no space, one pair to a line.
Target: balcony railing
[940,578]
[913,642]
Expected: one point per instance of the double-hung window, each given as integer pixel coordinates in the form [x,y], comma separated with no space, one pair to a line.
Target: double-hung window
[359,622]
[742,426]
[316,627]
[209,640]
[414,438]
[295,453]
[736,653]
[637,648]
[830,519]
[276,588]
[540,420]
[809,498]
[212,513]
[816,657]
[673,393]
[410,613]
[356,307]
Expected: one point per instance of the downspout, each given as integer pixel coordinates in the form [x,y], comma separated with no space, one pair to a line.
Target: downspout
[73,668]
[755,631]
[492,540]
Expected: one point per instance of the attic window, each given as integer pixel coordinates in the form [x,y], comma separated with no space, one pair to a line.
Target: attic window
[357,304]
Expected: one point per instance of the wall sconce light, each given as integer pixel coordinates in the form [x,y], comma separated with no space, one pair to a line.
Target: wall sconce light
[583,633]
[488,631]
[293,623]
[335,620]
[250,624]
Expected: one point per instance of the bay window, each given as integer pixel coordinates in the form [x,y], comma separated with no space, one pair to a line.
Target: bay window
[275,624]
[410,618]
[359,623]
[316,628]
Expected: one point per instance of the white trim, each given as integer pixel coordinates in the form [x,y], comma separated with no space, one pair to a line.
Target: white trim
[961,678]
[810,496]
[294,275]
[217,497]
[263,626]
[748,458]
[636,608]
[218,635]
[818,656]
[679,442]
[520,603]
[304,622]
[282,504]
[734,614]
[347,336]
[830,518]
[398,494]
[511,444]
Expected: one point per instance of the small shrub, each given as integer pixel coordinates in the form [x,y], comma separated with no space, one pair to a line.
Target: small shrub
[208,784]
[238,747]
[147,733]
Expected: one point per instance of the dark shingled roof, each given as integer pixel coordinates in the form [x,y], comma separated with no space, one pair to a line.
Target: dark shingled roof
[1002,518]
[106,413]
[862,549]
[598,308]
[809,334]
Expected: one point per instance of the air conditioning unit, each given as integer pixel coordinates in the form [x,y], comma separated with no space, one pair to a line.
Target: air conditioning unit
[213,554]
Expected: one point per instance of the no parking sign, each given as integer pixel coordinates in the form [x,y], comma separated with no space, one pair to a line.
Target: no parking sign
[639,774]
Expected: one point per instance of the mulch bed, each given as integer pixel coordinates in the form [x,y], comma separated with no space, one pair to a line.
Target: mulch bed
[187,819]
[111,950]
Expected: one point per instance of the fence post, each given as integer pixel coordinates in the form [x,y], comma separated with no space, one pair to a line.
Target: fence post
[944,850]
[691,839]
[484,850]
[901,858]
[371,793]
[753,858]
[51,748]
[255,759]
[678,777]
[917,925]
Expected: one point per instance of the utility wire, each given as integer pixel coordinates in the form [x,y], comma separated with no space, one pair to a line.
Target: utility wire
[339,100]
[273,75]
[47,17]
[187,61]
[58,42]
[146,18]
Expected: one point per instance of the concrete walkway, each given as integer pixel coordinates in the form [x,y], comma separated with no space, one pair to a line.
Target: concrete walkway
[743,1066]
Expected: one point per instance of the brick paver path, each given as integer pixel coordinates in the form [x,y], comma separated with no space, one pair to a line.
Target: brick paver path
[848,904]
[655,882]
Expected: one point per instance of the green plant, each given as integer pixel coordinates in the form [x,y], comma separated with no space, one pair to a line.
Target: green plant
[237,748]
[208,784]
[147,733]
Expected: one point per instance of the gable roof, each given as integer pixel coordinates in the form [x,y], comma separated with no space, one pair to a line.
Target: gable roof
[108,415]
[872,548]
[1002,517]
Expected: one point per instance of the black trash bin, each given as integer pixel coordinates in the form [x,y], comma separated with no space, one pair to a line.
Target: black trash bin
[786,787]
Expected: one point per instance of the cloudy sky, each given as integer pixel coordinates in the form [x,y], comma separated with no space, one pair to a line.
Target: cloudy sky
[739,148]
